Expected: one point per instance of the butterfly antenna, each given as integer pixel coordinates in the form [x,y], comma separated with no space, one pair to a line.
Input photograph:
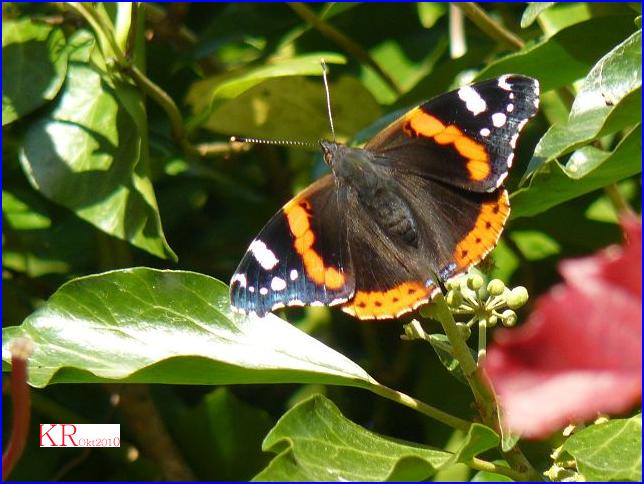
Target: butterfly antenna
[278,142]
[328,96]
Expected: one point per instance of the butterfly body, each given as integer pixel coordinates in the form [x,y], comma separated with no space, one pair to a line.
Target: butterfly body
[422,200]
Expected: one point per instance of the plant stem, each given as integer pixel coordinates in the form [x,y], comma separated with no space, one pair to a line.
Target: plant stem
[488,25]
[618,201]
[482,340]
[348,44]
[482,465]
[436,414]
[483,394]
[21,350]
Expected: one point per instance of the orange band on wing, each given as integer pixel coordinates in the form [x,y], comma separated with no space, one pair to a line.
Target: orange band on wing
[388,304]
[419,123]
[483,237]
[298,217]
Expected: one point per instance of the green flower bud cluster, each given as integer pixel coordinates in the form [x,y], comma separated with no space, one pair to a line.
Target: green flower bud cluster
[490,303]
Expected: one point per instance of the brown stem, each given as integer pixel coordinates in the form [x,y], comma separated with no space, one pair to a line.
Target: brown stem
[345,42]
[489,26]
[618,201]
[150,432]
[21,350]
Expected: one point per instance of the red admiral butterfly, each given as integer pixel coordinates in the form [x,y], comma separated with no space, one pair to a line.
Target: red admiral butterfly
[423,199]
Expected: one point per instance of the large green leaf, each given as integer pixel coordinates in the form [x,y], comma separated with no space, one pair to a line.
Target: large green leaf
[86,155]
[566,56]
[610,451]
[553,184]
[609,100]
[315,442]
[295,108]
[145,325]
[34,61]
[206,96]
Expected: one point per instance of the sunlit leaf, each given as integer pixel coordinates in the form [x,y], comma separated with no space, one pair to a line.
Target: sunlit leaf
[145,325]
[34,61]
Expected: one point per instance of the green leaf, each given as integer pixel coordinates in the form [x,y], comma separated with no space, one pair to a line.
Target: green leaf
[315,442]
[553,184]
[206,96]
[86,154]
[430,12]
[443,349]
[295,108]
[146,325]
[610,99]
[532,11]
[566,56]
[221,437]
[610,451]
[34,61]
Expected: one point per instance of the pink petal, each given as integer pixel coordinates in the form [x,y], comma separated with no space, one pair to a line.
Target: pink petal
[578,355]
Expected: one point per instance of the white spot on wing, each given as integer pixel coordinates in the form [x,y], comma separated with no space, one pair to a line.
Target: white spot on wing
[485,132]
[337,301]
[498,119]
[510,159]
[263,254]
[503,83]
[241,278]
[278,284]
[473,100]
[317,303]
[295,302]
[513,140]
[510,108]
[293,275]
[277,306]
[511,95]
[263,291]
[251,289]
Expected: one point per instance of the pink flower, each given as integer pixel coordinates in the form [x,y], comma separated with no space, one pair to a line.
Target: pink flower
[580,352]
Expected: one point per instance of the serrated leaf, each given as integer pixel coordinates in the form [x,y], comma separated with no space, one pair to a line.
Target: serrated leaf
[566,56]
[609,100]
[34,61]
[146,325]
[552,184]
[610,451]
[206,96]
[532,11]
[86,155]
[315,442]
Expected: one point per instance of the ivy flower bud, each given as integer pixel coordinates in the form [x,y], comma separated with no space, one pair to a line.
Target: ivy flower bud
[495,287]
[492,320]
[464,329]
[454,298]
[474,282]
[517,297]
[509,318]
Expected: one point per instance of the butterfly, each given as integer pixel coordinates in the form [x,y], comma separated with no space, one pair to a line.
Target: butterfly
[423,201]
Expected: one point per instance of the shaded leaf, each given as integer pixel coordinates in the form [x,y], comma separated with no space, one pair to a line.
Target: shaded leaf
[206,96]
[86,155]
[34,61]
[443,349]
[609,451]
[315,442]
[609,100]
[295,108]
[145,325]
[221,437]
[552,184]
[532,11]
[566,56]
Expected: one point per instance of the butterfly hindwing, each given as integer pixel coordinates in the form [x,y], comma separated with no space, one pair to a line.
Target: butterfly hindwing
[299,258]
[466,137]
